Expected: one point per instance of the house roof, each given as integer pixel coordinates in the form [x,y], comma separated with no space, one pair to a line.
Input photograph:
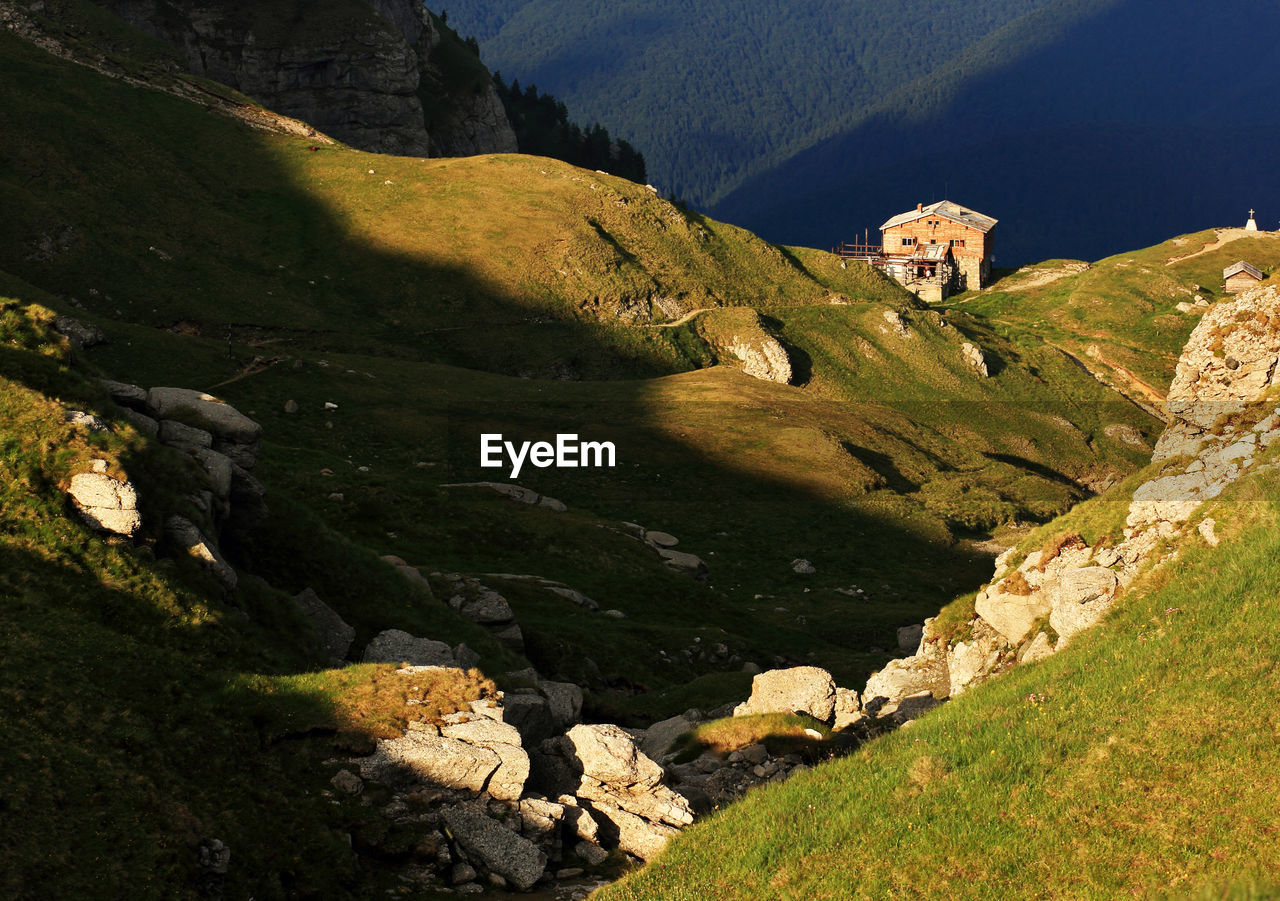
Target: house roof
[946,210]
[1242,266]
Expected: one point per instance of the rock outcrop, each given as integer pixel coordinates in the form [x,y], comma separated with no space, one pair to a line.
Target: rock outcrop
[1223,414]
[801,689]
[358,70]
[106,503]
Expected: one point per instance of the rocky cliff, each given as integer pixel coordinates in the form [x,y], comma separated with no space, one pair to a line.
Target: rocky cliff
[380,75]
[1223,413]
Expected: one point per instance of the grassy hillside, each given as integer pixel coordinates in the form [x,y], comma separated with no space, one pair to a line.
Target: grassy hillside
[406,310]
[1131,764]
[251,265]
[1119,316]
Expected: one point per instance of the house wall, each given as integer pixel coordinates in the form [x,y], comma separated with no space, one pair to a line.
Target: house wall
[1241,281]
[973,259]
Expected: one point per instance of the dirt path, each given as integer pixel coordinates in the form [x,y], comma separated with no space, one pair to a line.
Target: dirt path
[682,320]
[1225,236]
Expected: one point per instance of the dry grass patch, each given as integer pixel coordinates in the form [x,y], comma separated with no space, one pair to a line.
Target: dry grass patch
[781,733]
[380,701]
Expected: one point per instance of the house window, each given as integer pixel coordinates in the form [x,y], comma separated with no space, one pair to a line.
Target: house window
[957,242]
[908,242]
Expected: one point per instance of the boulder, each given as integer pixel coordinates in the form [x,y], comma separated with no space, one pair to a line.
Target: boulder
[801,689]
[969,661]
[507,781]
[497,848]
[334,633]
[848,709]
[396,646]
[974,357]
[1080,598]
[1038,649]
[142,422]
[188,537]
[86,421]
[803,567]
[907,677]
[530,713]
[105,503]
[219,468]
[424,754]
[80,334]
[179,435]
[607,754]
[661,539]
[126,395]
[564,702]
[688,564]
[204,411]
[1012,615]
[659,737]
[909,638]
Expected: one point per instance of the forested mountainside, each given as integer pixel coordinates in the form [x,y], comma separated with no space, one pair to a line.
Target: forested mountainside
[810,122]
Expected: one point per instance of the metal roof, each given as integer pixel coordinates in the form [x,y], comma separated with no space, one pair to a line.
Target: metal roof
[1242,266]
[947,210]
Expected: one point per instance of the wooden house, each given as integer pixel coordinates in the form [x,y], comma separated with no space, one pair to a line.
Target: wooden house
[966,232]
[1240,277]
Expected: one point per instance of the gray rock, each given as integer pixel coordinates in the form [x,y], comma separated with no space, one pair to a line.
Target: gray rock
[176,434]
[888,689]
[688,564]
[607,754]
[219,468]
[1080,598]
[142,422]
[803,567]
[422,754]
[86,421]
[188,537]
[347,782]
[1012,615]
[126,395]
[1039,648]
[497,848]
[801,689]
[291,406]
[204,411]
[1206,530]
[848,709]
[593,855]
[465,657]
[661,539]
[659,737]
[396,646]
[462,872]
[105,503]
[334,633]
[530,713]
[508,780]
[80,334]
[564,702]
[909,638]
[487,608]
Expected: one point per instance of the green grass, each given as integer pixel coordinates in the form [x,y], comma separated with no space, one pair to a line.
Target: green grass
[1133,763]
[1124,307]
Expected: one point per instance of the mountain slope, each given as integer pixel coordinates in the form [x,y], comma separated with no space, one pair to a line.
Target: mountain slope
[807,123]
[1128,762]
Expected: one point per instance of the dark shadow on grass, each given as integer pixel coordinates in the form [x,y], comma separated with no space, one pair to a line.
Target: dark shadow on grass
[1039,469]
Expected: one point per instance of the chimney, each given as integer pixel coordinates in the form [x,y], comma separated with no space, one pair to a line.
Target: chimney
[919,207]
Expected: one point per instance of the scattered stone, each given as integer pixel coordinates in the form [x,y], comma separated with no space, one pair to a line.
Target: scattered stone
[347,782]
[661,539]
[105,503]
[803,567]
[516,859]
[1038,649]
[86,421]
[974,357]
[688,564]
[291,406]
[1206,530]
[334,633]
[462,872]
[80,334]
